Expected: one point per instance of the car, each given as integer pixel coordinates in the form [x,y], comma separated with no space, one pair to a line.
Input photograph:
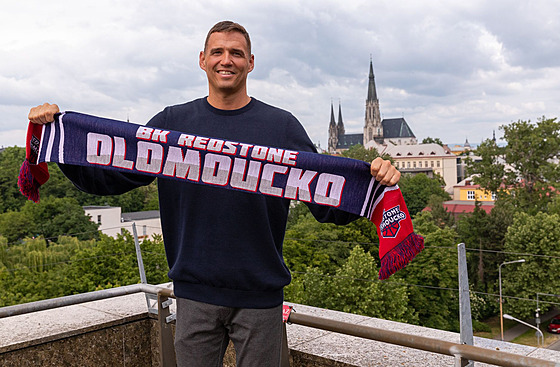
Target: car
[554,325]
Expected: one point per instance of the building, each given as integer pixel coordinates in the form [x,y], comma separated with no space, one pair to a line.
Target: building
[429,159]
[376,132]
[112,222]
[466,190]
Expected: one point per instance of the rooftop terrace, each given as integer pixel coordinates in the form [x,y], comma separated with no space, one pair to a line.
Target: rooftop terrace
[121,331]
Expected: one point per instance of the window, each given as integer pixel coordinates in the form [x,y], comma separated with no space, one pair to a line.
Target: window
[494,196]
[408,164]
[437,164]
[99,219]
[470,195]
[414,164]
[432,164]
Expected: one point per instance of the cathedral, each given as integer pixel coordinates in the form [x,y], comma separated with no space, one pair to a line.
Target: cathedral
[376,134]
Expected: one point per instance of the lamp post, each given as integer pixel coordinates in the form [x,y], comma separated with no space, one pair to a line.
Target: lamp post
[500,283]
[509,317]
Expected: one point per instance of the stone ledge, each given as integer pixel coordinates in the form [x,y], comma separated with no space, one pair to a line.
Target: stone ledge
[123,325]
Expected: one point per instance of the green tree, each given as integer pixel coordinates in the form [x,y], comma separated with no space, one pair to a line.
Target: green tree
[359,152]
[309,243]
[354,288]
[429,140]
[433,274]
[524,169]
[53,217]
[417,190]
[531,234]
[10,162]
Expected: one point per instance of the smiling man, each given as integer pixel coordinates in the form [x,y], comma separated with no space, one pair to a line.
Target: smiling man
[224,247]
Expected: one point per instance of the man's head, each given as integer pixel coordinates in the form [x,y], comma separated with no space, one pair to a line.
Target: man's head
[227,26]
[227,61]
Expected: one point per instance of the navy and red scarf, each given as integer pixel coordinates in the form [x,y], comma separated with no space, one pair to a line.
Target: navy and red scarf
[343,183]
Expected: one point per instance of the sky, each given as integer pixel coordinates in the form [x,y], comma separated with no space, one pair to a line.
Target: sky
[455,70]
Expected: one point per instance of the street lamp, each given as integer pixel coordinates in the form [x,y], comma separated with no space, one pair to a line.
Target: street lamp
[509,317]
[500,282]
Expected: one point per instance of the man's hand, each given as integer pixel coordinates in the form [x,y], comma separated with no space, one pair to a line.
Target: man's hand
[43,114]
[384,172]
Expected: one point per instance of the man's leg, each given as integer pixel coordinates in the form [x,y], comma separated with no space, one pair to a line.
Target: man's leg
[200,336]
[257,336]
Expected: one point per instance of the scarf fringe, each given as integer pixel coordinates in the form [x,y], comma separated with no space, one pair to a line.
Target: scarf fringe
[27,183]
[401,255]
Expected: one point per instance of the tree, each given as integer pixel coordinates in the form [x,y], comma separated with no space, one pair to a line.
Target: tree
[417,190]
[429,140]
[358,151]
[539,235]
[10,162]
[52,217]
[525,169]
[433,274]
[354,288]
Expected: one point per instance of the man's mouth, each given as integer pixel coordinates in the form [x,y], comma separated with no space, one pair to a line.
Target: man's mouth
[225,72]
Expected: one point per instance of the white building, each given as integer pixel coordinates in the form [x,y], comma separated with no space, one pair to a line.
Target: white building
[111,221]
[425,158]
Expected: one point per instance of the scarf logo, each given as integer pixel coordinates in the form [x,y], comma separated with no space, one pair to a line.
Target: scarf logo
[390,224]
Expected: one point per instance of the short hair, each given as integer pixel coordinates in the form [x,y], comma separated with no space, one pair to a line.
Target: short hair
[228,26]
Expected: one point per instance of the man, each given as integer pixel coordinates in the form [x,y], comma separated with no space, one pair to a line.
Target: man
[224,248]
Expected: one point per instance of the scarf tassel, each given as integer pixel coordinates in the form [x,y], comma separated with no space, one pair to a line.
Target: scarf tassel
[399,256]
[31,177]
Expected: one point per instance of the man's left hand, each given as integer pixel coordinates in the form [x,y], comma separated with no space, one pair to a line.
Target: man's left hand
[385,172]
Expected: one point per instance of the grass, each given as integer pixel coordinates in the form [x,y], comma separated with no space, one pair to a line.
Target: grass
[494,323]
[528,338]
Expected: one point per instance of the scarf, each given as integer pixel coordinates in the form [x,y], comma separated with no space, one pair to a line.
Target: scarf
[337,182]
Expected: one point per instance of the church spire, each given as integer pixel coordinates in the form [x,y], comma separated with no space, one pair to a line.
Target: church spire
[340,122]
[372,92]
[333,133]
[373,128]
[332,124]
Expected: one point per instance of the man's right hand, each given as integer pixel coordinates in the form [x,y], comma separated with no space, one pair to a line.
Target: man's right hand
[43,114]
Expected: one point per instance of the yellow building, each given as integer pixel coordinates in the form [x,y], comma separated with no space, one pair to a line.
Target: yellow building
[467,191]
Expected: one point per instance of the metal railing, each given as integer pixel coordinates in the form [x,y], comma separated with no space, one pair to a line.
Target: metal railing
[167,351]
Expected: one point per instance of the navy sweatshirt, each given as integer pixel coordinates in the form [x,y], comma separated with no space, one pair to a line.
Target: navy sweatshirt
[223,247]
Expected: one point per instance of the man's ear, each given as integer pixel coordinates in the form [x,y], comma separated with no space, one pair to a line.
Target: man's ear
[251,63]
[202,60]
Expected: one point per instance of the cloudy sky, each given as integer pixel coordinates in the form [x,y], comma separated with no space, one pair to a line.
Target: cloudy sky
[454,70]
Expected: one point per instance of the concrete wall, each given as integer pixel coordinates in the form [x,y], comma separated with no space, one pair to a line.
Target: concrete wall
[119,331]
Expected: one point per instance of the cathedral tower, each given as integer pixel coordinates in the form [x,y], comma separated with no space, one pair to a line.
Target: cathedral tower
[333,133]
[372,128]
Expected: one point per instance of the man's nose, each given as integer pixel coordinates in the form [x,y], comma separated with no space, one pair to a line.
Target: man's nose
[226,59]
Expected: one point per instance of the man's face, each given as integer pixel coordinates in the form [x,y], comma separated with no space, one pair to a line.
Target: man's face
[227,63]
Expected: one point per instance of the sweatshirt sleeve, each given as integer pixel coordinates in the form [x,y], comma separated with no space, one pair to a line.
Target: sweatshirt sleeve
[324,214]
[98,181]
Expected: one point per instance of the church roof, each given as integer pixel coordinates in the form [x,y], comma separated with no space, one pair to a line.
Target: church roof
[396,128]
[349,140]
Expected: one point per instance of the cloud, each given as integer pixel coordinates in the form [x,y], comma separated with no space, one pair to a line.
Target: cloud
[452,69]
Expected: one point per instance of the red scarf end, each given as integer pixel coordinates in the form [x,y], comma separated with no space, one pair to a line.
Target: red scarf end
[31,177]
[399,256]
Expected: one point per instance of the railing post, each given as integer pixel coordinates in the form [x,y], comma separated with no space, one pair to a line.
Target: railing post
[166,347]
[465,317]
[142,271]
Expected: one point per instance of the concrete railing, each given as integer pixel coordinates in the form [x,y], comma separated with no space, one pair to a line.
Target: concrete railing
[166,354]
